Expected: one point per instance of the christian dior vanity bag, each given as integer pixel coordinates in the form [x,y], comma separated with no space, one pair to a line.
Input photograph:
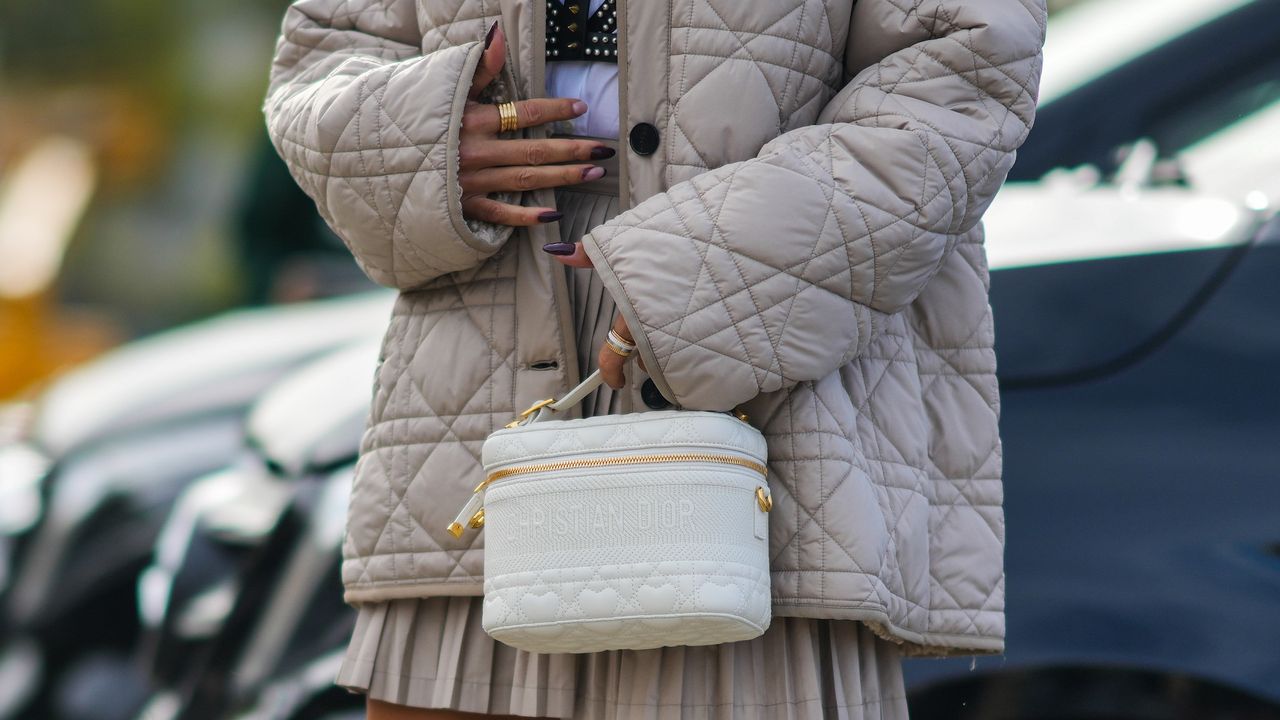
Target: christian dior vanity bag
[623,531]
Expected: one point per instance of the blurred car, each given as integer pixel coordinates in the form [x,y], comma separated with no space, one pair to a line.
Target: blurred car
[1070,217]
[1184,152]
[283,664]
[1172,71]
[1227,180]
[1143,557]
[225,361]
[110,447]
[246,572]
[1241,160]
[1184,155]
[70,603]
[218,365]
[1136,321]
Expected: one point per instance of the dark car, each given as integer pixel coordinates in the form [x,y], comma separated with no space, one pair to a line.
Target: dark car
[1138,361]
[1140,407]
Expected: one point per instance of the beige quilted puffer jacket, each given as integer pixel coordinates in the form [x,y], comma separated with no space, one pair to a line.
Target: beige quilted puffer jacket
[804,183]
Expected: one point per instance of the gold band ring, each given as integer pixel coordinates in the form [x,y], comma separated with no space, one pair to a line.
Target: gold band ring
[618,352]
[622,342]
[618,345]
[508,120]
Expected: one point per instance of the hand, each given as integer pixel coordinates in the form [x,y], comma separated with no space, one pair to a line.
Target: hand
[611,363]
[489,164]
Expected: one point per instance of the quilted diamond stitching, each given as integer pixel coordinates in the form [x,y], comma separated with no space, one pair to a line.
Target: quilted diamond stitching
[793,53]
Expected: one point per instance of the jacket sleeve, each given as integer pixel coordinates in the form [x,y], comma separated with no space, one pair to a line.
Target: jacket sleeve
[760,274]
[368,125]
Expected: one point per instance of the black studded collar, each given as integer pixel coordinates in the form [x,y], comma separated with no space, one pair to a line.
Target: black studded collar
[573,35]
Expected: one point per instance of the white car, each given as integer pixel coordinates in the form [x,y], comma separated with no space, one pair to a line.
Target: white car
[1156,133]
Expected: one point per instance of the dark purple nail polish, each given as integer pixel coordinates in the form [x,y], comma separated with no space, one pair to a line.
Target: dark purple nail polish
[602,153]
[488,39]
[561,249]
[549,216]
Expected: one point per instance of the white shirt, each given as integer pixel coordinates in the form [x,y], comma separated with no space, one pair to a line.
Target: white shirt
[595,83]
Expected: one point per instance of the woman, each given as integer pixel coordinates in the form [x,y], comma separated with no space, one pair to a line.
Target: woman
[790,227]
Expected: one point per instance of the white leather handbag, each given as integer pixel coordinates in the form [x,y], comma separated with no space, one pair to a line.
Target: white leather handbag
[622,531]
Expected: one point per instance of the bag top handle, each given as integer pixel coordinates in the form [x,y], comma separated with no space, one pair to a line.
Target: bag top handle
[544,408]
[576,395]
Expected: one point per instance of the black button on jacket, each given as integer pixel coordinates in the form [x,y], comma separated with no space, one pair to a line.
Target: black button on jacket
[644,139]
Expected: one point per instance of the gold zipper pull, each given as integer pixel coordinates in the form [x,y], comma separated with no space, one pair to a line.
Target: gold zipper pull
[472,514]
[764,499]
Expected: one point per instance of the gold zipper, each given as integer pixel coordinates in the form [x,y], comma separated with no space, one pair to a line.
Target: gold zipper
[624,460]
[472,513]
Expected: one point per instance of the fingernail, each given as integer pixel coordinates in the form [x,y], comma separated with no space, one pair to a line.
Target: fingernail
[549,216]
[561,249]
[488,39]
[578,107]
[602,153]
[593,173]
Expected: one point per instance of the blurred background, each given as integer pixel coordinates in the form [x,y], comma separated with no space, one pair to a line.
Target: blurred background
[185,353]
[139,189]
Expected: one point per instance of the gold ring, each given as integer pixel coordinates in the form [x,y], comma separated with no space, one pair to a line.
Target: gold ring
[618,344]
[618,351]
[508,120]
[615,336]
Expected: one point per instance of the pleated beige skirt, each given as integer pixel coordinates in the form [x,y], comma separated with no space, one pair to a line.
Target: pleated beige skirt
[433,652]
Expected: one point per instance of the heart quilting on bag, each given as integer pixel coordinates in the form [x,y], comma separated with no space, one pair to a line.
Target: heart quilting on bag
[623,531]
